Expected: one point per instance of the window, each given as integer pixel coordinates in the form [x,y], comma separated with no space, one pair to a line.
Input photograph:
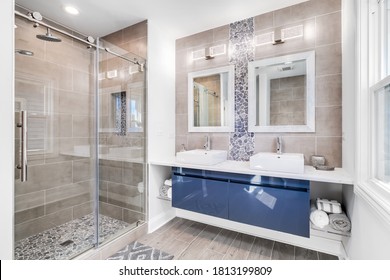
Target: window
[373,124]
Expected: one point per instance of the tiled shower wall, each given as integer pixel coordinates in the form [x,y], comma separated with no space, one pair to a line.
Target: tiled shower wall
[322,33]
[56,87]
[121,181]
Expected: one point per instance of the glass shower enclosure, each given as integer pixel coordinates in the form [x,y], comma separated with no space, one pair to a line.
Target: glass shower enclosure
[79,141]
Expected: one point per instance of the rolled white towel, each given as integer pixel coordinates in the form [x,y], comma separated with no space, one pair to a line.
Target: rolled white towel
[329,206]
[340,222]
[169,193]
[168,182]
[319,218]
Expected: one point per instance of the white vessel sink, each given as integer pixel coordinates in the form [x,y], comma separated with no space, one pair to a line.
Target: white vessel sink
[291,163]
[202,157]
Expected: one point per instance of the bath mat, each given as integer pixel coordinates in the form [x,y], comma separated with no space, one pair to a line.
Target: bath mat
[139,251]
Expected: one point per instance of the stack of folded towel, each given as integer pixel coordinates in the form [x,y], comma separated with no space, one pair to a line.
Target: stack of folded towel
[329,212]
[166,189]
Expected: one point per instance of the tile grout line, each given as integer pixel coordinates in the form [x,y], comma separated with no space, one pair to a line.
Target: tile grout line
[272,250]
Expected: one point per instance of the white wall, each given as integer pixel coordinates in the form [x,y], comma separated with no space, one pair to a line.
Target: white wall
[349,42]
[6,128]
[161,92]
[370,234]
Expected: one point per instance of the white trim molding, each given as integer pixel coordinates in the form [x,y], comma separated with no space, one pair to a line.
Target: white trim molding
[375,192]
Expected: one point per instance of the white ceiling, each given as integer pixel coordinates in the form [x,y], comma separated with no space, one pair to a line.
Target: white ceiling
[179,18]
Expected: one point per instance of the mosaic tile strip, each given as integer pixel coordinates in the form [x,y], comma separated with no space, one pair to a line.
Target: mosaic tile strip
[75,236]
[242,143]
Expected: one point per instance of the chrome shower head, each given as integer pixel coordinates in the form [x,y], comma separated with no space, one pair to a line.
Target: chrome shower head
[48,37]
[24,52]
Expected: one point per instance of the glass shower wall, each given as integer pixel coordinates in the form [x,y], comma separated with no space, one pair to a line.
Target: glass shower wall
[122,96]
[55,85]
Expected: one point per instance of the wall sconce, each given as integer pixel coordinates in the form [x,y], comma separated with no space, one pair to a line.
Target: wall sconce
[209,53]
[285,34]
[263,39]
[292,32]
[112,74]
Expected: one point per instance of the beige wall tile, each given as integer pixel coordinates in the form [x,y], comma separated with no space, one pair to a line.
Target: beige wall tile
[328,121]
[196,140]
[331,148]
[110,211]
[264,21]
[29,214]
[132,173]
[329,90]
[221,33]
[328,60]
[82,126]
[304,145]
[220,141]
[328,29]
[181,124]
[179,141]
[83,209]
[264,143]
[181,104]
[83,170]
[135,31]
[132,217]
[115,38]
[46,176]
[282,17]
[198,39]
[30,200]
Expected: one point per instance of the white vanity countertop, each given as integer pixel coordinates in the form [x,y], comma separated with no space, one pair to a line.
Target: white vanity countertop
[338,176]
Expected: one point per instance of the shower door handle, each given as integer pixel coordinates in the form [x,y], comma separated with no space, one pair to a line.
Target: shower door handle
[23,141]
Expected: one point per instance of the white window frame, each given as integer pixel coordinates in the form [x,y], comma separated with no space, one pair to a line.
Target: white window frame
[370,77]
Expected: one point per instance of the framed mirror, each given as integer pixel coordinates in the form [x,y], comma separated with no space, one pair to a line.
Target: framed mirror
[282,93]
[211,100]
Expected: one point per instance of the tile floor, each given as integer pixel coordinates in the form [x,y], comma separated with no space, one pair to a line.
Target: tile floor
[47,244]
[188,240]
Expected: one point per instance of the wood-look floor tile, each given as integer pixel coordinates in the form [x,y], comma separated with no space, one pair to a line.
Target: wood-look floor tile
[191,232]
[324,256]
[261,249]
[211,255]
[174,247]
[201,242]
[223,241]
[305,254]
[239,249]
[282,251]
[167,225]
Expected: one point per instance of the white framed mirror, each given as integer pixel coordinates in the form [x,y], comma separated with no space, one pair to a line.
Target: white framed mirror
[282,93]
[211,100]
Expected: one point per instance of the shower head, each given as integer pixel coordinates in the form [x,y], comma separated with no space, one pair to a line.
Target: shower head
[48,37]
[24,52]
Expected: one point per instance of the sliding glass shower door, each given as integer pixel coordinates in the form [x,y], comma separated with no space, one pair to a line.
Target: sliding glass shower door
[79,143]
[54,145]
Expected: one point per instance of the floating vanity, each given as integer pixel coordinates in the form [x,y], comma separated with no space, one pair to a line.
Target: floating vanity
[231,195]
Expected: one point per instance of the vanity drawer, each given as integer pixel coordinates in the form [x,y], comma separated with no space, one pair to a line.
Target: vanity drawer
[285,210]
[204,196]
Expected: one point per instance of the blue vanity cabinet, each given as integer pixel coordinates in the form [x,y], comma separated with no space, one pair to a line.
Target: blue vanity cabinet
[271,207]
[200,195]
[274,203]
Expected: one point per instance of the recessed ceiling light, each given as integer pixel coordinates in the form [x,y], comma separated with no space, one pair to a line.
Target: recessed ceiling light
[71,10]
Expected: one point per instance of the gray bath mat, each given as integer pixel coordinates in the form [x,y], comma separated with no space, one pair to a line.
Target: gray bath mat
[139,251]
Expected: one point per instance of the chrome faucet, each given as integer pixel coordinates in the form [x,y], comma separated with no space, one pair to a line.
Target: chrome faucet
[279,145]
[207,145]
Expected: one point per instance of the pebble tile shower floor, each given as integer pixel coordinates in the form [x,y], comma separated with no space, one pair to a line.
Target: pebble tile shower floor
[75,237]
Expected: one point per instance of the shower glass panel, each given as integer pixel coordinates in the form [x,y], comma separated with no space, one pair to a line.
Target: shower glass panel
[54,86]
[121,140]
[79,143]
